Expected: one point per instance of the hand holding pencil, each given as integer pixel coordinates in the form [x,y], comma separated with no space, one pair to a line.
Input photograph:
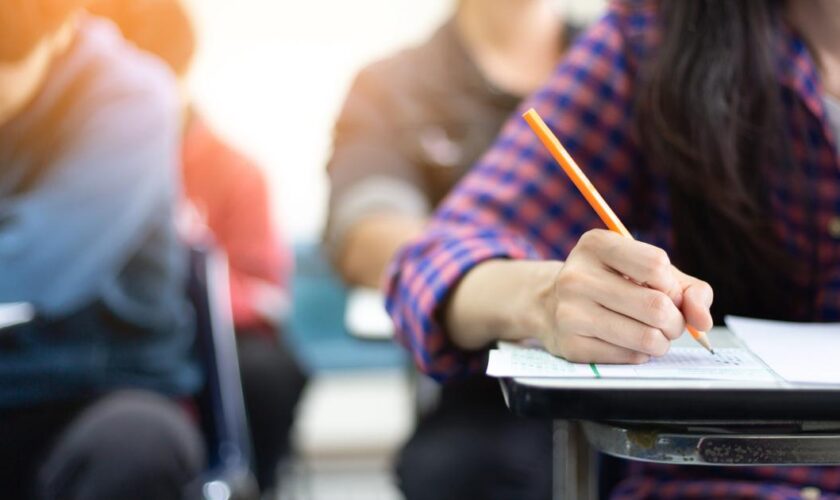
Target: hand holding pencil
[637,300]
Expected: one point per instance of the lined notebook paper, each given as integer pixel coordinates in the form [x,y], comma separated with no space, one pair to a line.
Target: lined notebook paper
[733,363]
[805,353]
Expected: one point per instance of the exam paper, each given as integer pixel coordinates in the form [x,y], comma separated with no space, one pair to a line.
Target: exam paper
[806,353]
[735,364]
[514,361]
[730,363]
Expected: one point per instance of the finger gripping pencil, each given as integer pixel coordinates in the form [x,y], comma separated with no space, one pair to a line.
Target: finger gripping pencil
[593,197]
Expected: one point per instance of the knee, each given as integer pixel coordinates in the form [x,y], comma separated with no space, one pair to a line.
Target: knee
[434,470]
[128,445]
[454,459]
[270,371]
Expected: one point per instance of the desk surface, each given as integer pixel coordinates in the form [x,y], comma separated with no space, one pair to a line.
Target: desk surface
[365,317]
[675,400]
[15,313]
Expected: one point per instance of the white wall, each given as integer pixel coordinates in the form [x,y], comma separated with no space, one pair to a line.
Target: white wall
[271,75]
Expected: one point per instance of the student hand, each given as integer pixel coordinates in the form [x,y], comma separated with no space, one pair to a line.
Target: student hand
[616,300]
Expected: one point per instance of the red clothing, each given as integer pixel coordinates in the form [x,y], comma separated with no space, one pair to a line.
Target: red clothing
[230,191]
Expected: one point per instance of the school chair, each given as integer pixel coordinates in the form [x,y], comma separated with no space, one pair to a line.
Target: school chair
[220,402]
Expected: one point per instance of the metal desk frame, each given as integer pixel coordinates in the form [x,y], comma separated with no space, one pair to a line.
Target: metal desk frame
[720,438]
[576,445]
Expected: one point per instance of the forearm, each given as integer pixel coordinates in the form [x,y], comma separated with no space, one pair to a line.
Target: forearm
[501,300]
[371,244]
[128,212]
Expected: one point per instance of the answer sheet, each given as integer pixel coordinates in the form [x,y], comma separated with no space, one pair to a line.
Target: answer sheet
[806,353]
[733,363]
[515,361]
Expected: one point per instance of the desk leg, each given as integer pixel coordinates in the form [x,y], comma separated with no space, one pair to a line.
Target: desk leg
[575,475]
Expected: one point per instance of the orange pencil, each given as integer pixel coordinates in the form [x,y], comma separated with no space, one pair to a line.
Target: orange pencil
[589,192]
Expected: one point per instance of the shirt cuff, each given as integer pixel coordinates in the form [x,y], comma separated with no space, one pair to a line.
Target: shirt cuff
[420,282]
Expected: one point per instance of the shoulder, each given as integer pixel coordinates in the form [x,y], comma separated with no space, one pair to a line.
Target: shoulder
[121,83]
[404,66]
[607,56]
[404,81]
[382,82]
[629,25]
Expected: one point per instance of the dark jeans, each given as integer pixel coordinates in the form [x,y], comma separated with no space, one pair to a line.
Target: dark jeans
[272,382]
[471,447]
[127,445]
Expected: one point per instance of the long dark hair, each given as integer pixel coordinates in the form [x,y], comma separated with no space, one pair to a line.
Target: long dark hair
[711,117]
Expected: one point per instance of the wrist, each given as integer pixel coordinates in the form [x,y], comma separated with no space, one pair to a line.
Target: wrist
[536,301]
[502,300]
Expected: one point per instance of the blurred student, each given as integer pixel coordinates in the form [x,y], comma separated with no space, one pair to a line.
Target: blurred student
[712,128]
[93,392]
[411,127]
[231,193]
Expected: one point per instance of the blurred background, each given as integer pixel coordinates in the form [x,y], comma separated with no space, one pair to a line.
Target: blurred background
[270,77]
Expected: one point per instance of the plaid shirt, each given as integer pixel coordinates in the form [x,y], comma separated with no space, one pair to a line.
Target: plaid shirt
[516,203]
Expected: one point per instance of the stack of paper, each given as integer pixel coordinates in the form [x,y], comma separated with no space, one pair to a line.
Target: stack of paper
[805,353]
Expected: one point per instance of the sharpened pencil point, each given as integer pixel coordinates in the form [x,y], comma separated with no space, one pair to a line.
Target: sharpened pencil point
[703,340]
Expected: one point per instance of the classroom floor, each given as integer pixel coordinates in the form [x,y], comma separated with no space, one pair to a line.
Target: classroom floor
[349,458]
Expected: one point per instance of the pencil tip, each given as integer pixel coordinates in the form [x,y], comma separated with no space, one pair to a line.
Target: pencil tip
[713,352]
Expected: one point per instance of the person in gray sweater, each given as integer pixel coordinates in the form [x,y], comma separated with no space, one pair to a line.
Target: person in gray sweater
[94,391]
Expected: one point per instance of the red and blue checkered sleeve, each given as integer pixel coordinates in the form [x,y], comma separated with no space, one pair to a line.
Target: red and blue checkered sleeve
[516,203]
